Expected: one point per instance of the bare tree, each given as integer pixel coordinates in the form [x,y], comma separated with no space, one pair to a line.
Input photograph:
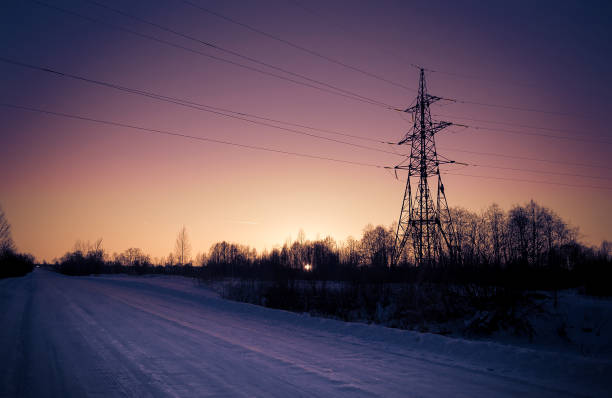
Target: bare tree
[301,237]
[133,256]
[6,239]
[495,221]
[461,221]
[170,260]
[350,251]
[518,231]
[605,249]
[182,247]
[377,244]
[200,259]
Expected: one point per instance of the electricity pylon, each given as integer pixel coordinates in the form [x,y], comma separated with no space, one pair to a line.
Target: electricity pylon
[424,218]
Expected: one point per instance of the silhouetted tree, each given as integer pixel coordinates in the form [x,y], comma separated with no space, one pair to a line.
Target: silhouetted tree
[11,262]
[170,260]
[301,237]
[6,239]
[85,259]
[182,247]
[200,259]
[518,232]
[377,245]
[350,253]
[605,250]
[494,221]
[218,253]
[133,257]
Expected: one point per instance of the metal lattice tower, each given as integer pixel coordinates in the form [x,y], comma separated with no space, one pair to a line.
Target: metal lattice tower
[424,217]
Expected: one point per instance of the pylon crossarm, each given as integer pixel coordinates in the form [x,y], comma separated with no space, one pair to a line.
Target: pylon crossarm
[432,98]
[412,109]
[438,126]
[406,139]
[400,167]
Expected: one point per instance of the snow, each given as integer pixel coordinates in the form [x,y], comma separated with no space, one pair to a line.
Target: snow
[167,336]
[577,324]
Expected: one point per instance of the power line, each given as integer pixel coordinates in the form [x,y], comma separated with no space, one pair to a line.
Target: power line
[187,104]
[261,148]
[317,54]
[184,101]
[529,181]
[507,82]
[459,75]
[510,124]
[220,112]
[514,108]
[297,46]
[234,53]
[220,59]
[182,135]
[396,55]
[501,155]
[520,132]
[558,137]
[353,32]
[473,77]
[356,97]
[488,166]
[511,107]
[410,63]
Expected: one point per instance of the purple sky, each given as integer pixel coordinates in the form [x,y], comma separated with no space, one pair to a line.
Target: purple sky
[65,179]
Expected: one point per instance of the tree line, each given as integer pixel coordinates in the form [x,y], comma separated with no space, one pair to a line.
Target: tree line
[528,246]
[12,263]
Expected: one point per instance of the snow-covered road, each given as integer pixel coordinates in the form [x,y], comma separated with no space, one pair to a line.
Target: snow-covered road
[165,336]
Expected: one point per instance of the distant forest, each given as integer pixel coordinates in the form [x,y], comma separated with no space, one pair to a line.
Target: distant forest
[527,247]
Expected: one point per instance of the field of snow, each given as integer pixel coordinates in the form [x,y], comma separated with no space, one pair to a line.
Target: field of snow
[166,336]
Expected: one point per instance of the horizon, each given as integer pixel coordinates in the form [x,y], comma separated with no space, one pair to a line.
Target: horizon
[290,239]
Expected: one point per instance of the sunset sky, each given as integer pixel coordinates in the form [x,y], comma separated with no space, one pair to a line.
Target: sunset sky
[547,64]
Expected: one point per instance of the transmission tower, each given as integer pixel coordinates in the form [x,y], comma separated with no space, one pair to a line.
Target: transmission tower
[424,217]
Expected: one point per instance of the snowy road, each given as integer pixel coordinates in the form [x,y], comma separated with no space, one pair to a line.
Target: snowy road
[161,336]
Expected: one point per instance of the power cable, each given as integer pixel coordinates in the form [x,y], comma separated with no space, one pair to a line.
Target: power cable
[231,52]
[501,155]
[459,75]
[400,56]
[297,46]
[188,104]
[219,111]
[356,97]
[260,148]
[529,181]
[515,108]
[178,46]
[488,166]
[353,32]
[508,123]
[182,135]
[558,137]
